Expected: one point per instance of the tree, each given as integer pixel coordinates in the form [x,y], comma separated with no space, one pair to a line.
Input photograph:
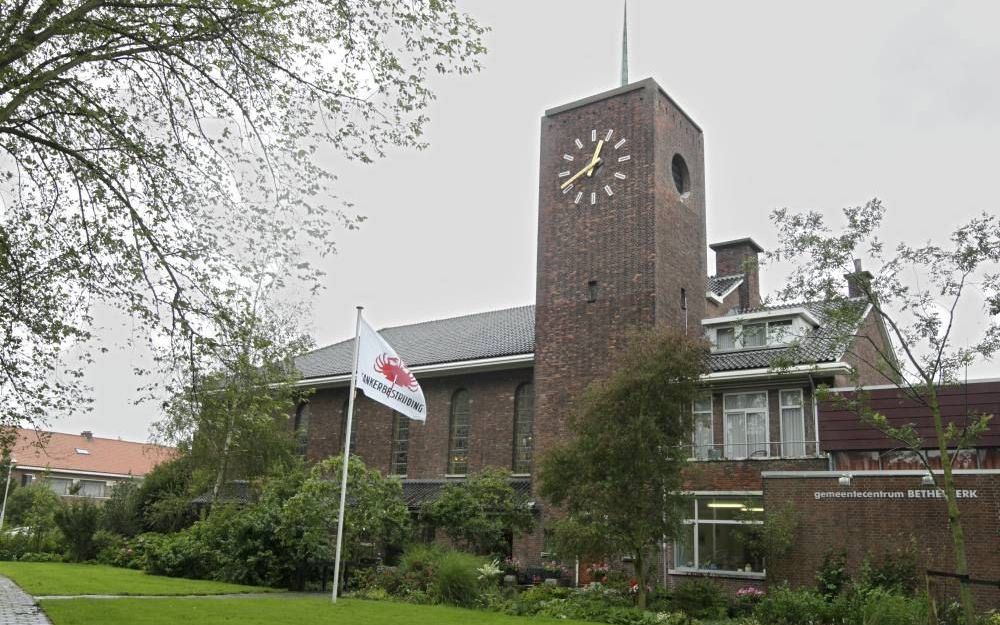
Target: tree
[165,496]
[307,521]
[921,318]
[78,521]
[150,149]
[480,512]
[232,399]
[619,478]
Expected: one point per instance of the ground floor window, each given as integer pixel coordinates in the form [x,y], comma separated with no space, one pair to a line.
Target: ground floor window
[716,535]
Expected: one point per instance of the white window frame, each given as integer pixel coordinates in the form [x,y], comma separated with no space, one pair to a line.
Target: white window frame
[743,334]
[694,524]
[711,429]
[781,422]
[790,323]
[746,445]
[736,339]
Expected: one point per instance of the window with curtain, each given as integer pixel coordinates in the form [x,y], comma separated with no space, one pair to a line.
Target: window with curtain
[458,433]
[343,429]
[703,439]
[779,332]
[793,425]
[91,488]
[755,335]
[400,443]
[746,425]
[725,338]
[524,421]
[302,416]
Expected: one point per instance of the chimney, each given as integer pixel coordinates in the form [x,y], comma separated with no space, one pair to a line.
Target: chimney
[857,279]
[87,434]
[739,257]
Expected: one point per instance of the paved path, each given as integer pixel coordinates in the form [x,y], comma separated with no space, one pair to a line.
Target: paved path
[241,595]
[17,607]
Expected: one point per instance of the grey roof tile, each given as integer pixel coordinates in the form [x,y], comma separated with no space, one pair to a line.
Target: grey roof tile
[511,332]
[721,284]
[418,492]
[492,334]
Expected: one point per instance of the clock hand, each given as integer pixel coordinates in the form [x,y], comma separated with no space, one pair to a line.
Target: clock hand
[590,166]
[597,154]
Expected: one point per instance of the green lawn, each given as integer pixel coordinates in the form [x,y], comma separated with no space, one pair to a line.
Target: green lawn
[55,578]
[261,611]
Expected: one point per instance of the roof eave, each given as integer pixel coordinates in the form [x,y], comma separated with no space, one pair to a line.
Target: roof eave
[517,361]
[764,373]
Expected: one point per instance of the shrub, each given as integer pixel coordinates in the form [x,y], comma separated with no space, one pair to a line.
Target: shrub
[882,607]
[455,580]
[120,513]
[78,523]
[132,553]
[180,555]
[832,576]
[107,545]
[784,606]
[700,598]
[896,571]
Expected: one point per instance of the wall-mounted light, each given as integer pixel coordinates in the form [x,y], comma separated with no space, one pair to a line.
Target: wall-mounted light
[927,480]
[844,480]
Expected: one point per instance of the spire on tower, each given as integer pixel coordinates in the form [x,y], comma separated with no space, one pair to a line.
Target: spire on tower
[625,46]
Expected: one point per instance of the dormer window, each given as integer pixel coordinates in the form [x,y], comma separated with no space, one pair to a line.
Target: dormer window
[725,338]
[755,335]
[757,330]
[779,332]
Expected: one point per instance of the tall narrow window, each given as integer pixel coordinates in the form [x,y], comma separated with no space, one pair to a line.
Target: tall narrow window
[704,440]
[302,415]
[400,443]
[793,426]
[746,425]
[354,428]
[458,434]
[524,422]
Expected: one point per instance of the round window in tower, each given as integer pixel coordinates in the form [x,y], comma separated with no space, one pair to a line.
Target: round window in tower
[682,179]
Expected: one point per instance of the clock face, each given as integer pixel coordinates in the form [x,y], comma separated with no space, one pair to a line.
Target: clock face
[594,167]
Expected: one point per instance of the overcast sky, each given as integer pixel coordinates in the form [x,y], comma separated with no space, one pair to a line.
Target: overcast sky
[803,105]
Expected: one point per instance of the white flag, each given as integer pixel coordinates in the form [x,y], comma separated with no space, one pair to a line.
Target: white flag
[383,376]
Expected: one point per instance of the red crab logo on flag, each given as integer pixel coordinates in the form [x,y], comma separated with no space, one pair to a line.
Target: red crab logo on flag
[396,372]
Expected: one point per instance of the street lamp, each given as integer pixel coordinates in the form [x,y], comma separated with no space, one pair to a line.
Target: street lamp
[6,489]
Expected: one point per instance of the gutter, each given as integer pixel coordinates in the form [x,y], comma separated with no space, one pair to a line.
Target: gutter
[440,369]
[765,373]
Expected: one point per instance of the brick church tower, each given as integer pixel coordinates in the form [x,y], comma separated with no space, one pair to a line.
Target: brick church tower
[621,237]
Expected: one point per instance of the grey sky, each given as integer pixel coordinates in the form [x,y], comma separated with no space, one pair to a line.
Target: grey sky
[803,105]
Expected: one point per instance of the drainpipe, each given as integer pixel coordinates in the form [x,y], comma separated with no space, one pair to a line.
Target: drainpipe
[812,388]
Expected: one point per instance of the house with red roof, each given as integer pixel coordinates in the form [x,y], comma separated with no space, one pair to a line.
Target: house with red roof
[82,465]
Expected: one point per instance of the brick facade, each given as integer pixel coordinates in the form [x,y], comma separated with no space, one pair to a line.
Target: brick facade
[873,527]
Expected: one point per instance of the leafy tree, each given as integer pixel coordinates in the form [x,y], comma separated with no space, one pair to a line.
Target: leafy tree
[231,415]
[165,497]
[34,506]
[151,149]
[120,514]
[619,478]
[307,521]
[78,522]
[480,513]
[920,317]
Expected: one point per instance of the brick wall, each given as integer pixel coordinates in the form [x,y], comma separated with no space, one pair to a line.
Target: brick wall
[877,526]
[491,424]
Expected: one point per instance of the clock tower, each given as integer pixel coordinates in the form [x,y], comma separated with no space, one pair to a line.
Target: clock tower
[621,237]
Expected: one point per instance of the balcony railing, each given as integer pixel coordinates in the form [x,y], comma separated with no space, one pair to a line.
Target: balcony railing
[754,451]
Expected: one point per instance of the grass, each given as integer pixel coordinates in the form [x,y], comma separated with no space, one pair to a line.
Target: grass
[261,611]
[56,578]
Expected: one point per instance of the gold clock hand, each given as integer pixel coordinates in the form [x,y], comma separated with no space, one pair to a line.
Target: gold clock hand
[597,154]
[590,166]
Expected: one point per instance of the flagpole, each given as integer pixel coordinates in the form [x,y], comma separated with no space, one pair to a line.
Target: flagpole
[347,456]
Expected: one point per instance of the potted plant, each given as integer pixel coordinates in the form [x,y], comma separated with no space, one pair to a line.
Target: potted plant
[553,572]
[598,572]
[511,568]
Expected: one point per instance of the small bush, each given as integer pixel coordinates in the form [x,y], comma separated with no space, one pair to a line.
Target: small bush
[700,598]
[832,576]
[455,580]
[882,607]
[107,545]
[78,523]
[897,572]
[180,555]
[784,606]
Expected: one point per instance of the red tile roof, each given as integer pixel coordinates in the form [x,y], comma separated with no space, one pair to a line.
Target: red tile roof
[75,452]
